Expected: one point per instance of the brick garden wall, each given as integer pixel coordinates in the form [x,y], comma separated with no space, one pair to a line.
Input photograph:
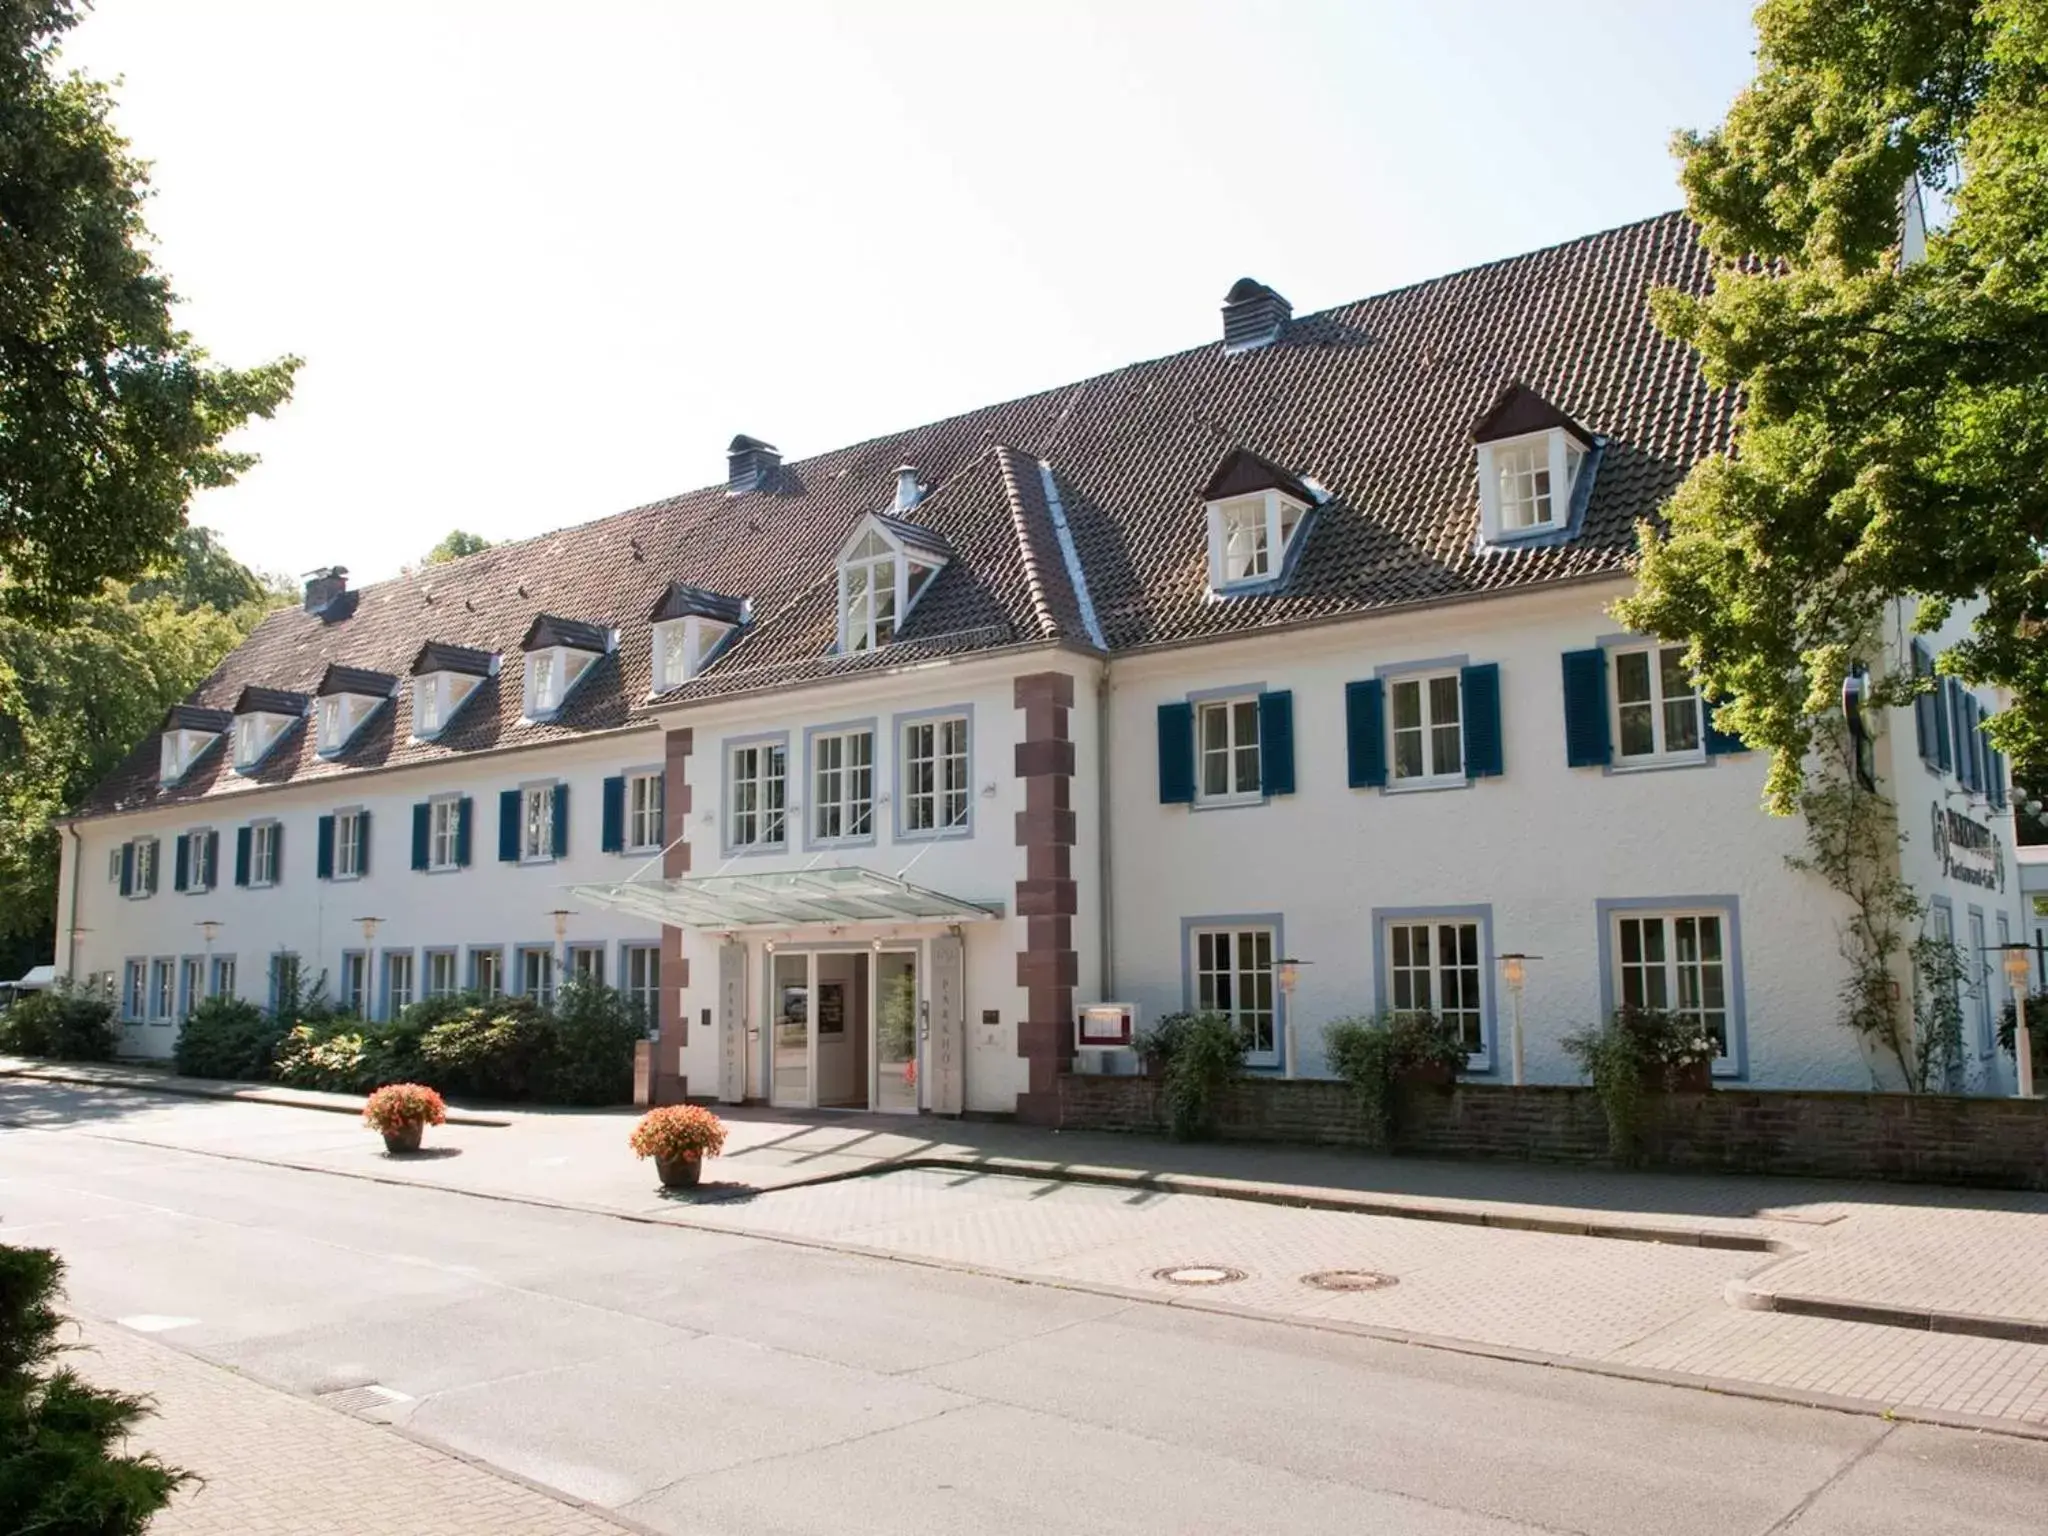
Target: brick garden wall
[1927,1138]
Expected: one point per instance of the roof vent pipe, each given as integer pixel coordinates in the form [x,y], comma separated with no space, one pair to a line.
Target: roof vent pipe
[1253,315]
[908,491]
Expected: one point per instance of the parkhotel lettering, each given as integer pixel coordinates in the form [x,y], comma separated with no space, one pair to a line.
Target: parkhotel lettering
[1968,850]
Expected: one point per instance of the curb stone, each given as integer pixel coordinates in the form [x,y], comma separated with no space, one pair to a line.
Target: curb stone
[1754,1298]
[195,1088]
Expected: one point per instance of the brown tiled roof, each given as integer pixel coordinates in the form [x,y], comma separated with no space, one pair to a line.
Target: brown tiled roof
[1373,400]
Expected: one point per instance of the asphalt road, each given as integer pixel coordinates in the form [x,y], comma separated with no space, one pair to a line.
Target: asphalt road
[705,1382]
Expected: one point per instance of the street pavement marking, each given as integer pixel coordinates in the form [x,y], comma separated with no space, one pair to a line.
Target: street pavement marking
[155,1322]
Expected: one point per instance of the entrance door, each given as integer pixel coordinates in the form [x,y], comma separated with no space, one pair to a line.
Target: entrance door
[896,1015]
[789,1027]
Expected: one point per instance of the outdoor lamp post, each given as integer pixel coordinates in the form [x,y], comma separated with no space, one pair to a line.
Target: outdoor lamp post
[370,925]
[561,917]
[2016,967]
[1289,970]
[1514,971]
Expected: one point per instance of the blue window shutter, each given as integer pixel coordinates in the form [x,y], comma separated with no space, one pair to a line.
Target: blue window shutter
[242,839]
[1942,691]
[323,858]
[1480,689]
[128,869]
[212,860]
[1994,782]
[181,876]
[422,821]
[614,837]
[463,810]
[561,829]
[1966,738]
[277,854]
[508,826]
[1276,742]
[1719,742]
[1981,746]
[1587,743]
[1176,754]
[362,842]
[1365,734]
[1923,705]
[156,863]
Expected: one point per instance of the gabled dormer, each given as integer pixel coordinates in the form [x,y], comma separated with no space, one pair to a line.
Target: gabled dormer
[690,624]
[1535,469]
[884,567]
[558,654]
[263,716]
[1258,514]
[189,733]
[443,678]
[348,696]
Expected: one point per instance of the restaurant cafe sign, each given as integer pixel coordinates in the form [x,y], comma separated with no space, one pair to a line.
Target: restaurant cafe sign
[1968,850]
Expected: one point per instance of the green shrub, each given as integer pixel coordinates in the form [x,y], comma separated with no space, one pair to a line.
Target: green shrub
[66,1022]
[1158,1044]
[58,1469]
[498,1049]
[590,1056]
[2037,1031]
[327,1057]
[226,1037]
[1205,1054]
[1634,1054]
[1374,1055]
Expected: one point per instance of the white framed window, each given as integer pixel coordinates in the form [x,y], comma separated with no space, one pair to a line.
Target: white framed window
[1657,709]
[163,997]
[441,977]
[144,882]
[263,853]
[426,705]
[878,582]
[760,785]
[1526,483]
[1426,718]
[191,984]
[348,845]
[398,982]
[1677,962]
[1437,966]
[247,749]
[1249,536]
[643,812]
[223,976]
[537,822]
[487,972]
[199,855]
[935,790]
[1233,970]
[355,983]
[1227,749]
[586,964]
[537,974]
[544,678]
[842,786]
[444,833]
[642,981]
[333,727]
[135,991]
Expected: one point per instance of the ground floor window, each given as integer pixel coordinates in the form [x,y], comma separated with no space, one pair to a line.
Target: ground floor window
[1233,973]
[162,999]
[642,981]
[486,972]
[586,964]
[355,983]
[1437,966]
[191,985]
[441,972]
[537,974]
[1677,962]
[135,991]
[223,976]
[398,983]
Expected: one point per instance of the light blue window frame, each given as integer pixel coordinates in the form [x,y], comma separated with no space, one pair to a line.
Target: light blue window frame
[1189,926]
[727,810]
[1394,671]
[222,969]
[470,982]
[1977,935]
[876,792]
[191,984]
[278,960]
[134,1009]
[1736,1067]
[385,1009]
[368,1001]
[627,948]
[899,762]
[163,989]
[427,956]
[587,947]
[1487,1061]
[1234,694]
[515,984]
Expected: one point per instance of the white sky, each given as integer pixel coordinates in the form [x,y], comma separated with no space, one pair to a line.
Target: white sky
[543,271]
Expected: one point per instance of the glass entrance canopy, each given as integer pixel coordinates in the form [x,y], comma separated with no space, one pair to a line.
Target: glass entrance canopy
[796,899]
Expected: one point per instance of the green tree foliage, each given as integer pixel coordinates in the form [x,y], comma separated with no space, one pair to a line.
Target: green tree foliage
[110,416]
[60,1468]
[455,546]
[1894,434]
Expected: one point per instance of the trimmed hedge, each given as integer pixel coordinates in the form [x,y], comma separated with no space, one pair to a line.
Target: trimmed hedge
[67,1023]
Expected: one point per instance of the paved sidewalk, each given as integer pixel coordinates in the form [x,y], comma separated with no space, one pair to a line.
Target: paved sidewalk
[276,1463]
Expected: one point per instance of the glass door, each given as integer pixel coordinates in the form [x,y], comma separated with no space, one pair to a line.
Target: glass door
[896,1030]
[789,1026]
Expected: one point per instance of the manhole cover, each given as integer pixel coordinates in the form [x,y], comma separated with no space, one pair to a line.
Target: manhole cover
[364,1399]
[1348,1280]
[1198,1274]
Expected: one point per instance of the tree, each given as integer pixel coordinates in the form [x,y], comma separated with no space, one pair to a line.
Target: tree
[455,546]
[110,416]
[1893,440]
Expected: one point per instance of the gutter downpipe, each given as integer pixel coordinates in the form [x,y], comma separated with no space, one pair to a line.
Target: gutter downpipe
[71,923]
[1105,858]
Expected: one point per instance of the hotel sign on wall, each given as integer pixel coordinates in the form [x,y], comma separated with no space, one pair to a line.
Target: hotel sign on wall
[1968,850]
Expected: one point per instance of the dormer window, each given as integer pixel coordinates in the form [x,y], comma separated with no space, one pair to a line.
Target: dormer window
[348,697]
[189,733]
[262,717]
[883,569]
[689,626]
[443,678]
[541,684]
[1532,459]
[1256,511]
[559,652]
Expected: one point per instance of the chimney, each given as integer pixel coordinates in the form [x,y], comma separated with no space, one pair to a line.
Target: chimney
[908,491]
[750,465]
[324,586]
[1253,315]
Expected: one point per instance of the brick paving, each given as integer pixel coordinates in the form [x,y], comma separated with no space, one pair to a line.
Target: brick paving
[276,1463]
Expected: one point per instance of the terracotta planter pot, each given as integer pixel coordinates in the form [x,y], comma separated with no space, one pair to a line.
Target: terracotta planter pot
[679,1172]
[405,1139]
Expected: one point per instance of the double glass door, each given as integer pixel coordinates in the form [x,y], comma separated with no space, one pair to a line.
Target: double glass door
[843,1029]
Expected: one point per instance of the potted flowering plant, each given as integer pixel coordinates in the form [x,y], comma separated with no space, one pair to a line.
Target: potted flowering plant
[678,1137]
[401,1111]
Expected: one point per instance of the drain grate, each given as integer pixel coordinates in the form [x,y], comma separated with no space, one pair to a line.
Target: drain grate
[367,1398]
[1349,1280]
[1198,1274]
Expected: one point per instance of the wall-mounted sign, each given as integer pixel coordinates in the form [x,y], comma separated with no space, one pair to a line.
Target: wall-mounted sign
[1968,850]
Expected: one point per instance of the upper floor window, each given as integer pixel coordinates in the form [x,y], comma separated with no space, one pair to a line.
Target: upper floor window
[263,844]
[760,784]
[349,829]
[444,834]
[558,654]
[1656,704]
[883,569]
[246,748]
[200,851]
[934,775]
[1531,459]
[1428,728]
[1227,742]
[1249,536]
[333,728]
[842,785]
[672,654]
[426,706]
[544,680]
[537,822]
[643,811]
